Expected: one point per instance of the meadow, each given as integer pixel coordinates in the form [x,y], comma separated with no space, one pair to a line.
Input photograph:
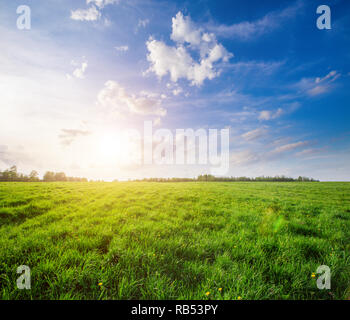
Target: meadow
[194,240]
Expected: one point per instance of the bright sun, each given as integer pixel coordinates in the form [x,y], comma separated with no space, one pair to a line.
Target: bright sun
[109,146]
[112,148]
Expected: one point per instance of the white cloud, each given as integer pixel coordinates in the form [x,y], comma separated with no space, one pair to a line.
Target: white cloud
[114,96]
[265,115]
[177,91]
[183,30]
[177,60]
[164,59]
[244,157]
[269,115]
[241,116]
[67,136]
[143,23]
[290,146]
[266,68]
[323,84]
[307,152]
[332,76]
[152,95]
[90,14]
[102,3]
[254,134]
[175,88]
[318,85]
[122,48]
[317,90]
[15,156]
[79,71]
[246,30]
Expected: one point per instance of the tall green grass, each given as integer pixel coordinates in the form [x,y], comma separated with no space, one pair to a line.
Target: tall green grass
[252,240]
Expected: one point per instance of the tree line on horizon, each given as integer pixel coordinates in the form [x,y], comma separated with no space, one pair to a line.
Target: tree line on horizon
[12,174]
[211,178]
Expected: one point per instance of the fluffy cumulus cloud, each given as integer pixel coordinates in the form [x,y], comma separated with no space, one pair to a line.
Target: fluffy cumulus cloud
[174,88]
[184,30]
[102,3]
[79,71]
[92,13]
[119,100]
[177,60]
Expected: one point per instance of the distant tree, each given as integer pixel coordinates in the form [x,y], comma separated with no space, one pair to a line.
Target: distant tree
[60,176]
[13,173]
[49,176]
[5,175]
[34,176]
[10,174]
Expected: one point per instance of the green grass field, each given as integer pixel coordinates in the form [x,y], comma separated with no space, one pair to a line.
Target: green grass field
[195,240]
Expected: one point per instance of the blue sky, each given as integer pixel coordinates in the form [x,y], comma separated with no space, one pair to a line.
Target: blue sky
[88,69]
